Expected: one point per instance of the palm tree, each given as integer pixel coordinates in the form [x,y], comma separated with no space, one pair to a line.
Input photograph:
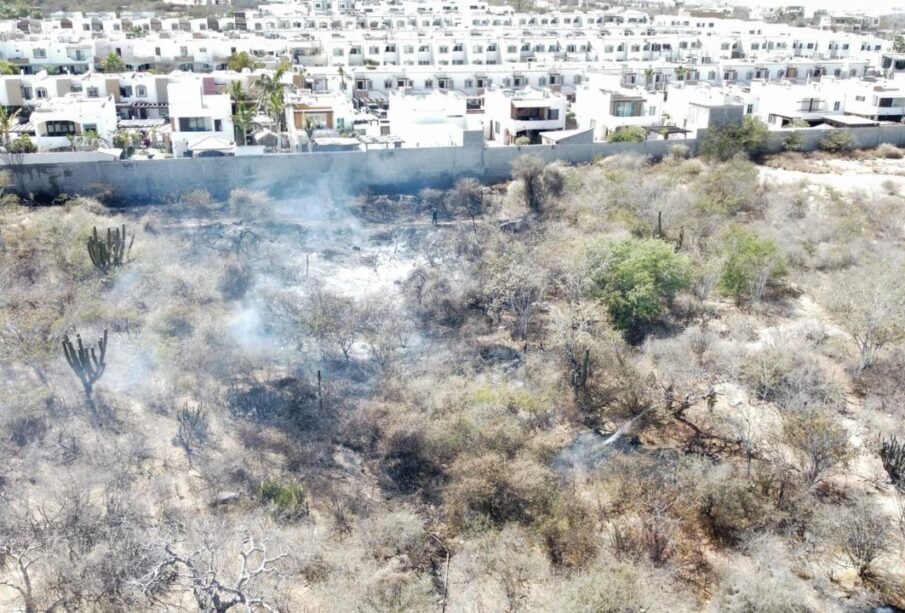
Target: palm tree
[681,71]
[242,119]
[342,77]
[244,115]
[648,76]
[6,122]
[277,104]
[309,130]
[113,63]
[8,68]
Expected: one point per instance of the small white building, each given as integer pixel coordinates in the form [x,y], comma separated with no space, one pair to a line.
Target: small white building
[198,113]
[511,113]
[427,118]
[698,107]
[73,121]
[605,104]
[331,111]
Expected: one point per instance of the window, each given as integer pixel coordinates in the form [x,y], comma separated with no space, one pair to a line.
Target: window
[626,108]
[423,49]
[749,109]
[408,49]
[511,49]
[92,92]
[444,49]
[837,105]
[859,98]
[141,91]
[469,83]
[428,83]
[192,124]
[125,91]
[41,92]
[218,125]
[157,51]
[338,52]
[39,54]
[477,49]
[60,128]
[89,127]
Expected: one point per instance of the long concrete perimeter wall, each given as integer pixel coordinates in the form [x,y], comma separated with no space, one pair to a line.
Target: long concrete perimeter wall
[283,175]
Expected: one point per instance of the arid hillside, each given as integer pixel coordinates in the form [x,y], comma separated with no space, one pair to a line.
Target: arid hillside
[627,386]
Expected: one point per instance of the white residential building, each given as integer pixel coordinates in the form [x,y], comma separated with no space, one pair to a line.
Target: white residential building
[332,112]
[603,104]
[197,113]
[511,113]
[427,118]
[73,121]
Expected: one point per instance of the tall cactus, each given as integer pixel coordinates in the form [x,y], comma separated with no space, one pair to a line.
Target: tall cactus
[112,252]
[580,372]
[86,363]
[892,452]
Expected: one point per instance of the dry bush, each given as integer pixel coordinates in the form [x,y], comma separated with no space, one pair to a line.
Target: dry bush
[792,379]
[498,571]
[888,151]
[493,490]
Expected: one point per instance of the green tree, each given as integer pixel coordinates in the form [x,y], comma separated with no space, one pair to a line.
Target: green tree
[8,68]
[237,62]
[726,141]
[898,44]
[750,264]
[637,279]
[627,134]
[113,63]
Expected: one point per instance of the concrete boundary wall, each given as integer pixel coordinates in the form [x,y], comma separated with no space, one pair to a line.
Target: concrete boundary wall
[283,175]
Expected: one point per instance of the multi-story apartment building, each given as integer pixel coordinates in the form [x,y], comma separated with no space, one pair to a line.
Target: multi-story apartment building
[363,54]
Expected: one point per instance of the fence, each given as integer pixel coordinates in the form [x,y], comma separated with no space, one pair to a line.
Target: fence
[284,175]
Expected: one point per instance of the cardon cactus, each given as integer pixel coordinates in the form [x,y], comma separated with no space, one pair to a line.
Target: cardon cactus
[112,252]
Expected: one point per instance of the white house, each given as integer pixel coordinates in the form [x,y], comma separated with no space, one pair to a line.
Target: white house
[197,115]
[426,118]
[698,107]
[604,104]
[511,113]
[325,111]
[71,120]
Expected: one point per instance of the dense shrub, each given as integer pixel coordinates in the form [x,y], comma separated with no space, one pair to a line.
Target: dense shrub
[726,141]
[837,141]
[288,500]
[730,189]
[627,134]
[750,264]
[637,279]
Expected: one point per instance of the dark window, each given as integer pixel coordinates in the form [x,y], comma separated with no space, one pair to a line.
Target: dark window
[60,128]
[192,124]
[218,125]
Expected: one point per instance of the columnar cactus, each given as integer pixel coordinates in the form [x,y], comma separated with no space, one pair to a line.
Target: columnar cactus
[112,252]
[87,364]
